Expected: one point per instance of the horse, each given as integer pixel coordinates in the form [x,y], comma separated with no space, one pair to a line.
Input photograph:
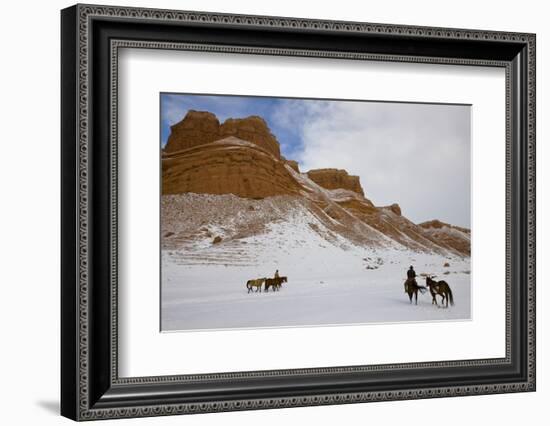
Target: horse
[412,288]
[442,289]
[255,283]
[275,283]
[280,283]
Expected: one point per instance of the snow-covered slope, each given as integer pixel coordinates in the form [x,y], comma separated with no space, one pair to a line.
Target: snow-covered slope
[330,281]
[213,244]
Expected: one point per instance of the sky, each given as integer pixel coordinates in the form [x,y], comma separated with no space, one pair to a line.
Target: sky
[416,155]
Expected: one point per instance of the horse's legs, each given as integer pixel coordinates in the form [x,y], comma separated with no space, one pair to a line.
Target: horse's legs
[410,297]
[416,297]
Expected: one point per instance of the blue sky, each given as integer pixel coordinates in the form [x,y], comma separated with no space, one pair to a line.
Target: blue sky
[414,154]
[277,112]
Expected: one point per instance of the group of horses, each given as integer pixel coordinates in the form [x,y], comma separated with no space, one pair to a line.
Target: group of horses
[276,283]
[437,288]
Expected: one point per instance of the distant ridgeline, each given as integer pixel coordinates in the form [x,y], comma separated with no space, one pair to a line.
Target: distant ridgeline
[242,157]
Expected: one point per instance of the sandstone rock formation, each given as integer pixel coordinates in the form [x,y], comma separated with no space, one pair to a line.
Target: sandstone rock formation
[227,166]
[391,224]
[196,128]
[335,178]
[201,127]
[293,164]
[242,157]
[437,224]
[395,208]
[252,129]
[457,237]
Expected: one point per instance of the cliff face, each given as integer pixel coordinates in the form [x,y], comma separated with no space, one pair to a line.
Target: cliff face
[253,129]
[437,224]
[227,166]
[293,164]
[453,236]
[201,127]
[196,128]
[335,179]
[394,208]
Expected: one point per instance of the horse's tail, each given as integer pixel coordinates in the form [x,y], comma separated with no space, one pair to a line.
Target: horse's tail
[422,289]
[451,296]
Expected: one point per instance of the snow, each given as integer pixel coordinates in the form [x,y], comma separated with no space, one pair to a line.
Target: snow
[331,281]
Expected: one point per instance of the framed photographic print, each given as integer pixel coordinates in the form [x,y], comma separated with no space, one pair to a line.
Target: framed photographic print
[263,212]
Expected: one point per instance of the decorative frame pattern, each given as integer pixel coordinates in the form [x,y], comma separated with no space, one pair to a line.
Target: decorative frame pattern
[87,403]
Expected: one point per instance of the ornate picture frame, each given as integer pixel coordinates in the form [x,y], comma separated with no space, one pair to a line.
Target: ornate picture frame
[91,37]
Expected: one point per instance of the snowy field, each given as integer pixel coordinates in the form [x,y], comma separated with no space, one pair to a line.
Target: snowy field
[329,282]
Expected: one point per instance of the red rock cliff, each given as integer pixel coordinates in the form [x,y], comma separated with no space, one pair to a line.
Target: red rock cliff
[335,179]
[253,129]
[201,127]
[227,166]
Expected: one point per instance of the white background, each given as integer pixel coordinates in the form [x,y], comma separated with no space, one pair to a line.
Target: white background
[29,225]
[146,352]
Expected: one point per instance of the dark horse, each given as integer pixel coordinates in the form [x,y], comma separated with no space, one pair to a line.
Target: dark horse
[411,287]
[275,283]
[442,289]
[281,281]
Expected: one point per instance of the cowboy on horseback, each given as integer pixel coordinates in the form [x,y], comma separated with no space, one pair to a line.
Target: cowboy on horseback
[411,286]
[411,275]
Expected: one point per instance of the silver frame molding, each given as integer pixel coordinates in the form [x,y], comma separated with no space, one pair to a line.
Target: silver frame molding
[91,388]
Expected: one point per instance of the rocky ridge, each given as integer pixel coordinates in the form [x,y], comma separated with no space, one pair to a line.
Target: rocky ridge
[241,159]
[457,237]
[202,127]
[335,179]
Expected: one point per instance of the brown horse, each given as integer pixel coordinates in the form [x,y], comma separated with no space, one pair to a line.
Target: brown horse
[255,283]
[442,289]
[281,281]
[275,283]
[412,288]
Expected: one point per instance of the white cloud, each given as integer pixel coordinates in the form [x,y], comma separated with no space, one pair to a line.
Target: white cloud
[415,154]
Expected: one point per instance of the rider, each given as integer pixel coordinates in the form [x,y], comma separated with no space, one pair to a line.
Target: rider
[411,275]
[276,274]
